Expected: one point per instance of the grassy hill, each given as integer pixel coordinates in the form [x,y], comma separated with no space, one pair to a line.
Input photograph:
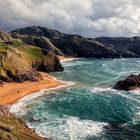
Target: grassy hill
[20,62]
[39,41]
[78,46]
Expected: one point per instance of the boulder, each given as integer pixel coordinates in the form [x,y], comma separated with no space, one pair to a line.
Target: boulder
[130,83]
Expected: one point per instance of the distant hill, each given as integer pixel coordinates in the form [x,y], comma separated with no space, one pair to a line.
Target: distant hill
[70,45]
[126,44]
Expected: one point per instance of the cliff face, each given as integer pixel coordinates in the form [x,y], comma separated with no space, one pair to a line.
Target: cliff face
[130,45]
[77,46]
[73,45]
[20,62]
[12,128]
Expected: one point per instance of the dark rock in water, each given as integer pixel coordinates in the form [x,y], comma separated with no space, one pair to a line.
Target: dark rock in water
[121,131]
[130,83]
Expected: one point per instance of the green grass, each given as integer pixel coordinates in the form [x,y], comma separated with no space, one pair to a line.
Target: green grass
[19,58]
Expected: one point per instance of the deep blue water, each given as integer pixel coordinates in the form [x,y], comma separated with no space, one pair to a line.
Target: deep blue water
[90,109]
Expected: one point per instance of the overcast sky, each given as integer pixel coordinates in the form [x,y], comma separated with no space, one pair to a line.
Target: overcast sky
[86,17]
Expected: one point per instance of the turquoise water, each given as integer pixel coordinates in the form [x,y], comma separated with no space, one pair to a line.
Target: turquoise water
[90,109]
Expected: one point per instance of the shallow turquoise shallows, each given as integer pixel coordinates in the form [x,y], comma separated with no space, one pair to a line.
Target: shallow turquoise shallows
[89,109]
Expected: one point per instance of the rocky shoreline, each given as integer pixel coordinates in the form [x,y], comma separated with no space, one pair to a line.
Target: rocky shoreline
[12,128]
[26,52]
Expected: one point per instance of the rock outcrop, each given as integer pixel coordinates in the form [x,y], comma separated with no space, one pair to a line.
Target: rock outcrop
[130,83]
[72,45]
[12,128]
[20,62]
[4,36]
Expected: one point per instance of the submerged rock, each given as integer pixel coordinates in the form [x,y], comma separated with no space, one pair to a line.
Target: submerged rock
[121,131]
[130,83]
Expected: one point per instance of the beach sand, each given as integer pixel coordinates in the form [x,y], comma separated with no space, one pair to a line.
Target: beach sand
[63,58]
[12,92]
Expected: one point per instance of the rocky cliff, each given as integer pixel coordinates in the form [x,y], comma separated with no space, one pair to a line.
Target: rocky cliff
[12,128]
[125,44]
[20,62]
[73,45]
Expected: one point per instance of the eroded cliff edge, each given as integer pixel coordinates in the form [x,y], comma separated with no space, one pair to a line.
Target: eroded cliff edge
[20,62]
[12,128]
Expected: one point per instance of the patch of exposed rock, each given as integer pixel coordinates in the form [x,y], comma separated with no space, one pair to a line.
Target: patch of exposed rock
[18,64]
[132,82]
[4,36]
[12,128]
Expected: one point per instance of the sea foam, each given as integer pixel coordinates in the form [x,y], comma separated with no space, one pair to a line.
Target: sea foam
[24,101]
[69,128]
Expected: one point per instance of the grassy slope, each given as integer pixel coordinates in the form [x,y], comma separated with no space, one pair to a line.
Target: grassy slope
[20,59]
[39,41]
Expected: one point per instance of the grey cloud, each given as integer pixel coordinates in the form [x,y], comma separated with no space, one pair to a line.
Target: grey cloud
[86,17]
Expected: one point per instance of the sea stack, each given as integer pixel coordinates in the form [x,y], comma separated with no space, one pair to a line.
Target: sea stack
[132,82]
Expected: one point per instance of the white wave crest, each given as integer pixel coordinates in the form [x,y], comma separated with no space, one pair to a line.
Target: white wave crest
[69,128]
[98,89]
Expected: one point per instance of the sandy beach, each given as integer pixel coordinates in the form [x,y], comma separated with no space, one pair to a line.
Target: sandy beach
[63,58]
[12,92]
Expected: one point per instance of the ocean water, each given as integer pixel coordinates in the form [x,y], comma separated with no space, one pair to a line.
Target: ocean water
[88,109]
